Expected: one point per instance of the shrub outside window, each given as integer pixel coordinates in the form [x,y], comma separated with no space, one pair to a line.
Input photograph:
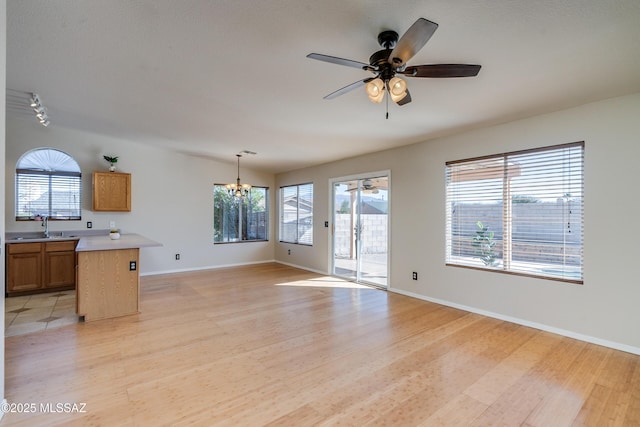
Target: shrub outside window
[296,214]
[48,184]
[518,212]
[240,219]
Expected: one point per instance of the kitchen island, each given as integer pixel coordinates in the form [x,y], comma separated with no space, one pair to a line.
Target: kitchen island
[108,283]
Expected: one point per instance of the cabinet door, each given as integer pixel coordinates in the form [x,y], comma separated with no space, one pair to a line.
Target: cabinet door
[59,269]
[24,272]
[111,192]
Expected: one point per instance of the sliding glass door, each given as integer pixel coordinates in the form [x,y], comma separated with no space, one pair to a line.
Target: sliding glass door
[361,229]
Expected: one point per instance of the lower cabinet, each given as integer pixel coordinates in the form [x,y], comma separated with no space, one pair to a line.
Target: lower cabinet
[40,267]
[108,283]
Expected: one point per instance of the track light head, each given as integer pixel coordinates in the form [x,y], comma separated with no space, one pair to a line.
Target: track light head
[35,100]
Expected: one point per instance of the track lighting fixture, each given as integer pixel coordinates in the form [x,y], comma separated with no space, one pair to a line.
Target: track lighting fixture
[38,108]
[19,101]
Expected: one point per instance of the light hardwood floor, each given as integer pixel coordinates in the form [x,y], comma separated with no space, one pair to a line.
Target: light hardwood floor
[272,345]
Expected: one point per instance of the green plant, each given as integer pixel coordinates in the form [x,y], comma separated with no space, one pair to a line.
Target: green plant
[111,160]
[485,244]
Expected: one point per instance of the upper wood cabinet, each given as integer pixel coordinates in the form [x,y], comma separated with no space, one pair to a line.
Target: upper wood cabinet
[111,192]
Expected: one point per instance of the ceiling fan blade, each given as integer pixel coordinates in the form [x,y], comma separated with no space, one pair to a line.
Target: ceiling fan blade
[412,41]
[340,61]
[405,100]
[442,70]
[348,88]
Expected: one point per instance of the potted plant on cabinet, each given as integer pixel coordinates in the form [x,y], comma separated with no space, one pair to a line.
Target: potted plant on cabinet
[112,162]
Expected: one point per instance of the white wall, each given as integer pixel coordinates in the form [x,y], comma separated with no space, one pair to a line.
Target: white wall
[172,196]
[604,309]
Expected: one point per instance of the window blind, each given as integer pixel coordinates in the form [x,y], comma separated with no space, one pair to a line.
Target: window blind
[43,193]
[296,214]
[518,212]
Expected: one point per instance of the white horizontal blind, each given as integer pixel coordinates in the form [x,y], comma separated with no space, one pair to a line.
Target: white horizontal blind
[518,212]
[53,194]
[305,214]
[296,214]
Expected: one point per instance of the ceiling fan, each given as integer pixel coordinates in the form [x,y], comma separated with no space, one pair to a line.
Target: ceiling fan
[392,60]
[368,186]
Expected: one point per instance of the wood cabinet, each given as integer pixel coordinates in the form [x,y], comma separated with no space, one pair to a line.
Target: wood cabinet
[59,264]
[111,192]
[24,267]
[108,283]
[40,267]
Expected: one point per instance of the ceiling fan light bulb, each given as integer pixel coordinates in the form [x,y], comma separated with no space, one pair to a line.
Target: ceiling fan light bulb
[397,89]
[375,87]
[397,86]
[375,90]
[377,99]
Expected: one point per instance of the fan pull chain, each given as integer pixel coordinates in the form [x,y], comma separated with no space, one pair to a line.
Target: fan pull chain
[387,99]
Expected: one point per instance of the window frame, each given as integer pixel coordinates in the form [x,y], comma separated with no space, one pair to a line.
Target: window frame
[507,202]
[245,199]
[298,223]
[47,177]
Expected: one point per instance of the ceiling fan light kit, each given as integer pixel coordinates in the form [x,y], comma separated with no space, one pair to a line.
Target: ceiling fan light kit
[392,60]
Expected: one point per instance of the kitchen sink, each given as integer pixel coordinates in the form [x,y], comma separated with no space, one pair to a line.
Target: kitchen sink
[43,238]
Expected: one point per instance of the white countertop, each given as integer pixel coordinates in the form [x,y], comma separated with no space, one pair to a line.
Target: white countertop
[105,243]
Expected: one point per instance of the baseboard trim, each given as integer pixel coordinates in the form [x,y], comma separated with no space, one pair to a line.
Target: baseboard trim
[210,267]
[570,334]
[324,273]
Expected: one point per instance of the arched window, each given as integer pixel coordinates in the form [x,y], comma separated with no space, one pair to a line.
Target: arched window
[48,183]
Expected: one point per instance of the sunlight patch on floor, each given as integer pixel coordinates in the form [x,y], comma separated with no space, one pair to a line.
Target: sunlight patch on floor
[325,282]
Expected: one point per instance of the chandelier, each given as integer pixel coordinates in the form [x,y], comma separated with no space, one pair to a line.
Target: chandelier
[237,189]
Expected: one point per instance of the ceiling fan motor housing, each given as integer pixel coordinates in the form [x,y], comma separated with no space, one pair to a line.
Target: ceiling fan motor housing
[379,61]
[388,39]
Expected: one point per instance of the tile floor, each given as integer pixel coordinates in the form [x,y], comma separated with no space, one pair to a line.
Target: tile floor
[33,313]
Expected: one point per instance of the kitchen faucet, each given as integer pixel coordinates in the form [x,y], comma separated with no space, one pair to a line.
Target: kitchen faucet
[45,224]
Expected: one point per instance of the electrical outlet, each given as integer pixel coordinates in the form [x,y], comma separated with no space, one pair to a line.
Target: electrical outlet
[289,252]
[89,224]
[112,225]
[177,257]
[133,265]
[326,224]
[415,275]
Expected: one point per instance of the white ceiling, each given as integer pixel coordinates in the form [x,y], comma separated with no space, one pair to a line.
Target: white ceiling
[213,78]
